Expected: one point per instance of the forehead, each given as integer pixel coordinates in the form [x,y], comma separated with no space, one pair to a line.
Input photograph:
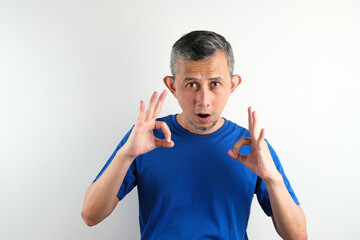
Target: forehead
[216,64]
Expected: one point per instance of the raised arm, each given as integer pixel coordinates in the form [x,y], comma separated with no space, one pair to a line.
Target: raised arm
[288,217]
[100,198]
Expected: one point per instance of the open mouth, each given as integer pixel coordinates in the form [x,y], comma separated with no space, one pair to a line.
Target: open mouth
[203,115]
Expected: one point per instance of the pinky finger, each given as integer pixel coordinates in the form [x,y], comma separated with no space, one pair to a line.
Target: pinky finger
[262,135]
[142,110]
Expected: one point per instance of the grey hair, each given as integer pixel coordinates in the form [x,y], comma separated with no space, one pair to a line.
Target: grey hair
[198,45]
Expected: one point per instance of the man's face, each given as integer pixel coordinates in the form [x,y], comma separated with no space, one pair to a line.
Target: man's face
[202,89]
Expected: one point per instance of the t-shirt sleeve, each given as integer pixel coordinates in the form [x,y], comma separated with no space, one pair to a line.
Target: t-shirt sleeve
[129,181]
[261,191]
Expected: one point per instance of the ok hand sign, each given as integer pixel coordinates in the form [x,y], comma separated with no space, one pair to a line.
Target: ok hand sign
[142,139]
[259,160]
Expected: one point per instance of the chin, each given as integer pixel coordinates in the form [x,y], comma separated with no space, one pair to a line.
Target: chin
[202,128]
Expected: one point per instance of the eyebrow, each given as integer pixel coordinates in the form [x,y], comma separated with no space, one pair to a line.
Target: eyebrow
[196,79]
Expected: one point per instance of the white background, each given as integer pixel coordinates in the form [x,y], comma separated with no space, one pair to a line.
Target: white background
[72,74]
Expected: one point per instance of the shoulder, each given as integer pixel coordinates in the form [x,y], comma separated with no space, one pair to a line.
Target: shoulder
[166,118]
[169,120]
[235,129]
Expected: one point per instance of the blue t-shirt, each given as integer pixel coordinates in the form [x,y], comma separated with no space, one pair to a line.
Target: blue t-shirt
[195,190]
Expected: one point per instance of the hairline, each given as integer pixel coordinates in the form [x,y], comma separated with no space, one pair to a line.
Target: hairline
[184,59]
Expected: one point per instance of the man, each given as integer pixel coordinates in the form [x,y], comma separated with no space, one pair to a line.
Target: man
[190,185]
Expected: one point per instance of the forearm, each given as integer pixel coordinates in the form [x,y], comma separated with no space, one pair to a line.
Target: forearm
[100,198]
[288,217]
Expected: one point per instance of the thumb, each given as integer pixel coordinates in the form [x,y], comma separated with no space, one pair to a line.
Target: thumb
[237,156]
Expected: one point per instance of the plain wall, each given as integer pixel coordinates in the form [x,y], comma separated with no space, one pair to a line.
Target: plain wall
[72,74]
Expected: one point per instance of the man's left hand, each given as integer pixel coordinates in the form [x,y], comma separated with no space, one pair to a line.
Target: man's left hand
[259,160]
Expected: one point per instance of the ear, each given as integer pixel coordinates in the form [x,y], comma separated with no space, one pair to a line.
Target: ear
[170,84]
[235,81]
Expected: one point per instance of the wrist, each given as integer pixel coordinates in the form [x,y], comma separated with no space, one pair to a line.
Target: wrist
[128,151]
[273,179]
[125,155]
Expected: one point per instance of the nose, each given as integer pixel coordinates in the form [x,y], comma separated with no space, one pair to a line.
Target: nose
[203,97]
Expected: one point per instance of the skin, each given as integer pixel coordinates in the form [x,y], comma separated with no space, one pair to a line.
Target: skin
[201,87]
[288,217]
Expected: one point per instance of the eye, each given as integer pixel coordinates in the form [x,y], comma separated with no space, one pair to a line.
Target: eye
[215,84]
[192,85]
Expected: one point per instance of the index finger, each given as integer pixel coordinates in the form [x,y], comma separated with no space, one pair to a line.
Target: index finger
[234,153]
[165,128]
[243,141]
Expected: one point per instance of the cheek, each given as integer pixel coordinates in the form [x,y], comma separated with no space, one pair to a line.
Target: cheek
[185,99]
[221,99]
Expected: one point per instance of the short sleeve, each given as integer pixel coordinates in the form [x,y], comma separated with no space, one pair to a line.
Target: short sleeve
[129,181]
[261,191]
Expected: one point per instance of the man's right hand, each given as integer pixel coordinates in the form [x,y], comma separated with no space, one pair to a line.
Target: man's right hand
[100,198]
[142,139]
